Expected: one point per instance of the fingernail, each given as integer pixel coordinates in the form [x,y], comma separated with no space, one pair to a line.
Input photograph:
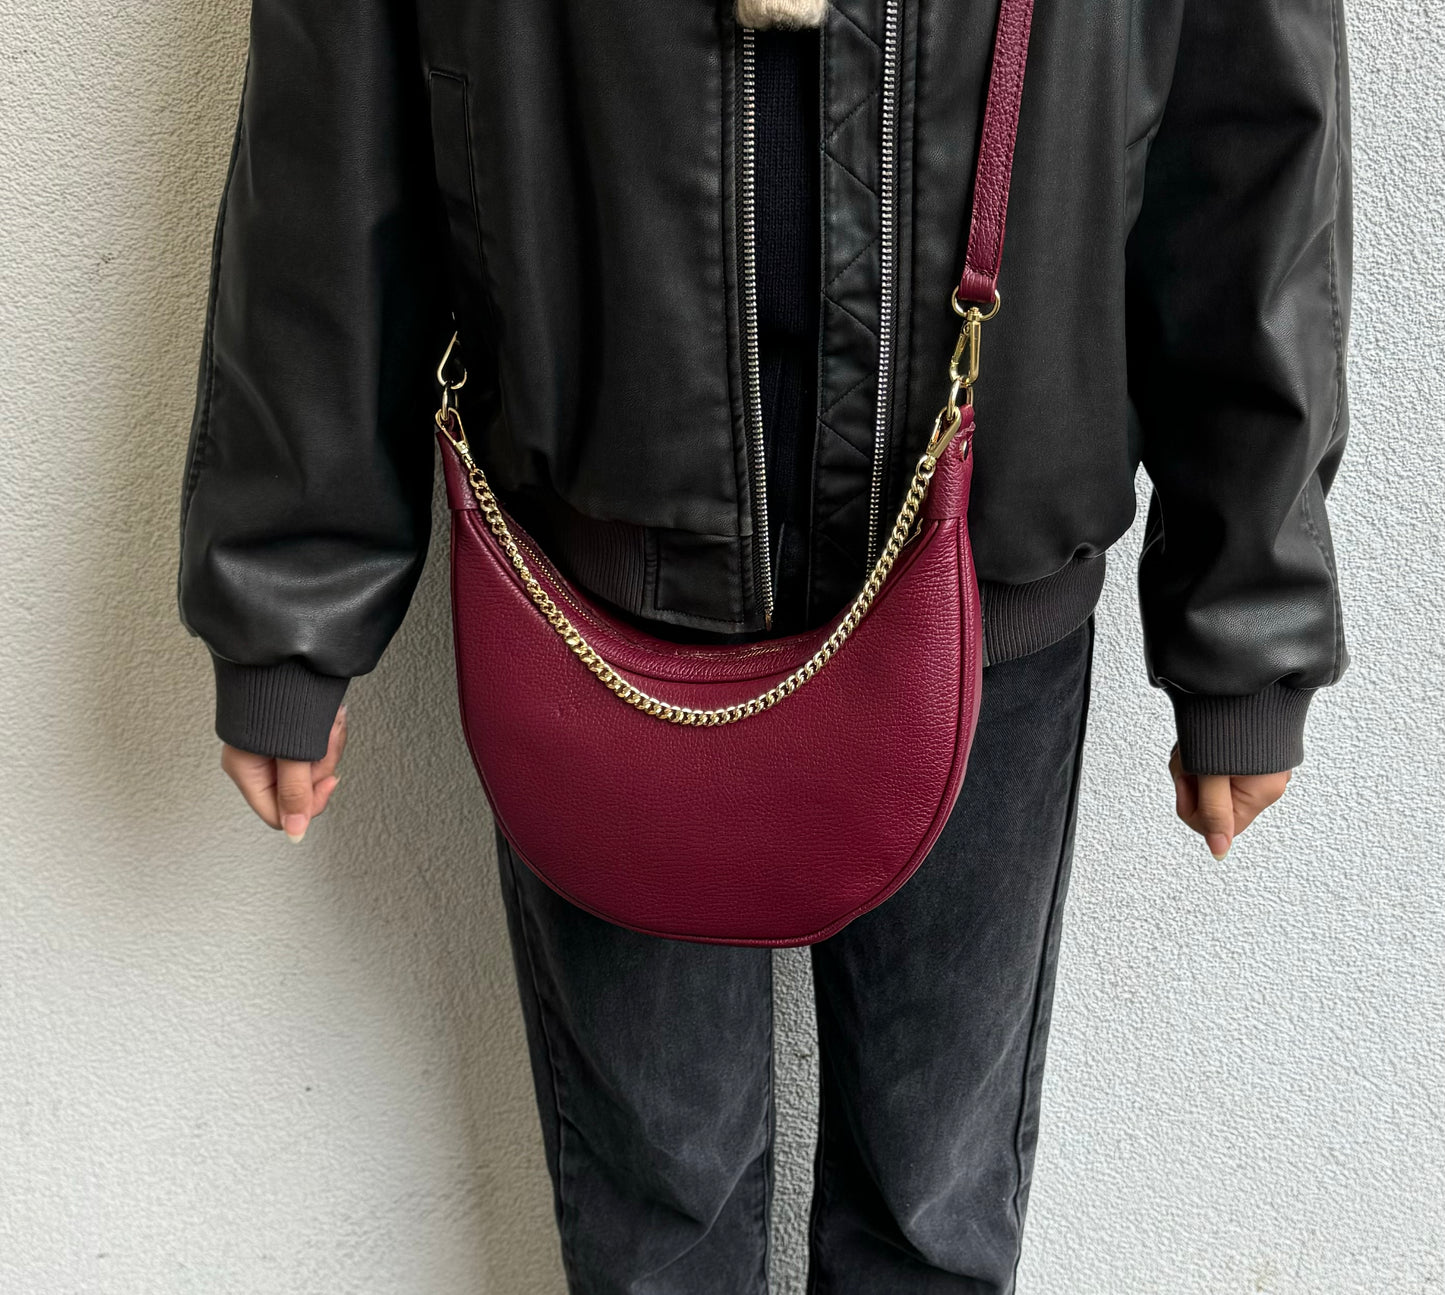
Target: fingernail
[1218,845]
[341,714]
[295,825]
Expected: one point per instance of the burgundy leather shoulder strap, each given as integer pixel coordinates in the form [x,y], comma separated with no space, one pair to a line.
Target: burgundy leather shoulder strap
[996,152]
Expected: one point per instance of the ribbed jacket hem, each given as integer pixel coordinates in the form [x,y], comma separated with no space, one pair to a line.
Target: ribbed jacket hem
[1259,733]
[285,711]
[1022,619]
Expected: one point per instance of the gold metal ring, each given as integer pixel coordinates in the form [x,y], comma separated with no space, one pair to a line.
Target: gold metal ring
[962,310]
[442,379]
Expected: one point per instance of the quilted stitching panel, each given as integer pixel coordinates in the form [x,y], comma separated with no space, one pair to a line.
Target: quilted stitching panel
[853,34]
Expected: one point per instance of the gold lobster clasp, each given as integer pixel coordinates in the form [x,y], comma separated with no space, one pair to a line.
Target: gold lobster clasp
[945,428]
[447,417]
[962,371]
[442,380]
[969,338]
[970,343]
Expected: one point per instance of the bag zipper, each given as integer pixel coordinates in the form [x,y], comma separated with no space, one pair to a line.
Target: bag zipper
[752,370]
[888,258]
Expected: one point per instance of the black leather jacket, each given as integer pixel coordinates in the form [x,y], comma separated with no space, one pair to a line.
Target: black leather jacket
[567,177]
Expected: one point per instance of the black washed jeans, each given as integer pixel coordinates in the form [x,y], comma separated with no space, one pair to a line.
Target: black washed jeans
[654,1068]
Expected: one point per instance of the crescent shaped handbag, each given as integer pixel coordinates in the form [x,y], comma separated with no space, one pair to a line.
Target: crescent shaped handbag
[758,794]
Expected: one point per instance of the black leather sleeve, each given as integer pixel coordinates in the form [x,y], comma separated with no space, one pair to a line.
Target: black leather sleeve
[1239,272]
[306,501]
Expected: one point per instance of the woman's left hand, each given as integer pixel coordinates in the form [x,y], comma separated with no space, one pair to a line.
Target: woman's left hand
[1219,806]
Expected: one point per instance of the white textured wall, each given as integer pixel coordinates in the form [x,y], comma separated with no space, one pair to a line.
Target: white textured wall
[227,1065]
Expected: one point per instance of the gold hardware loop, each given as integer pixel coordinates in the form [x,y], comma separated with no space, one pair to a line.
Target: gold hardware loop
[442,380]
[945,428]
[446,419]
[960,309]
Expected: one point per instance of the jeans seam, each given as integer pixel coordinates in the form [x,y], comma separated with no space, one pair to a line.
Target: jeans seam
[563,1214]
[769,1129]
[1064,846]
[820,1195]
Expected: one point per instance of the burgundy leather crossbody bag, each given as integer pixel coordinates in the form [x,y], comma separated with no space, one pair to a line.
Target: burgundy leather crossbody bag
[764,794]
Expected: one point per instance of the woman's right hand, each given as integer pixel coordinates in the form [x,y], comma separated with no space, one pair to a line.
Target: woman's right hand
[287,794]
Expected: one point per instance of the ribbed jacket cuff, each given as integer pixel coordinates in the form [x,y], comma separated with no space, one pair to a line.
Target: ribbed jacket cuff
[1259,733]
[283,710]
[1019,620]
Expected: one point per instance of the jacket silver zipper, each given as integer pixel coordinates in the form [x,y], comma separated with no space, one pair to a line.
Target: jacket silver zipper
[752,372]
[888,258]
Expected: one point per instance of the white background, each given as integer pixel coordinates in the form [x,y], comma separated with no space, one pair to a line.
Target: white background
[229,1065]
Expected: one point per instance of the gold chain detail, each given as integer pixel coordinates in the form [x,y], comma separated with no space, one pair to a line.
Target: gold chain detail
[609,676]
[945,427]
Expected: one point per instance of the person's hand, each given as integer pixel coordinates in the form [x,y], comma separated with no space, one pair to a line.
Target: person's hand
[1219,806]
[287,794]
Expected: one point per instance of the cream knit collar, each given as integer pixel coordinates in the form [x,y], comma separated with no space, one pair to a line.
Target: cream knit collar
[781,13]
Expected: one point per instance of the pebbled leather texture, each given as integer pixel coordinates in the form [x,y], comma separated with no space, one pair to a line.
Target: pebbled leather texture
[996,151]
[777,830]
